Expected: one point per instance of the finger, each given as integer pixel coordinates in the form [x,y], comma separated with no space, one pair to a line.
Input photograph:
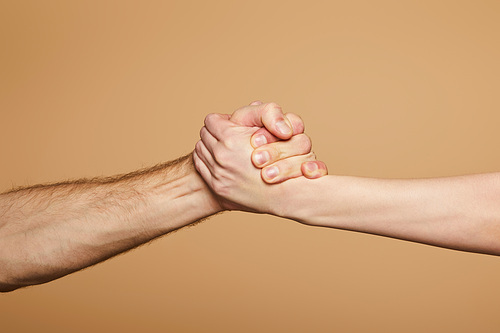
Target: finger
[298,126]
[208,139]
[256,103]
[204,154]
[268,115]
[263,136]
[201,167]
[314,169]
[298,145]
[285,169]
[216,123]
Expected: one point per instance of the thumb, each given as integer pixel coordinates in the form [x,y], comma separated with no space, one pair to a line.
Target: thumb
[263,136]
[268,115]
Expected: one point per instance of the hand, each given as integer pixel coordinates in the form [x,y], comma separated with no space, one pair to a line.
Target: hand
[278,158]
[282,160]
[222,157]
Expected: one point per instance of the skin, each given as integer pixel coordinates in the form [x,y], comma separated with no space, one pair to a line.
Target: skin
[220,143]
[460,213]
[273,154]
[49,231]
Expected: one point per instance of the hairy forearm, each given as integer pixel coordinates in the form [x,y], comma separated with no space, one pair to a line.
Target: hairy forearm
[50,231]
[457,212]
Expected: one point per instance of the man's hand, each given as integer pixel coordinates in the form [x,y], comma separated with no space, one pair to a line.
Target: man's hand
[223,156]
[275,124]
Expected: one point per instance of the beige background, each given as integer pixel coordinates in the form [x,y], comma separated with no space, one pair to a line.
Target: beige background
[386,88]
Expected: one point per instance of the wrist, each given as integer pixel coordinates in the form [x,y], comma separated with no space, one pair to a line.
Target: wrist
[294,198]
[309,200]
[192,185]
[208,200]
[180,197]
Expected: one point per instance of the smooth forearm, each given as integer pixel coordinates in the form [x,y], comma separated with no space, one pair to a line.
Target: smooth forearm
[456,212]
[49,231]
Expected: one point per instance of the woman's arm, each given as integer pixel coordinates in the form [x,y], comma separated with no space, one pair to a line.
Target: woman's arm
[461,213]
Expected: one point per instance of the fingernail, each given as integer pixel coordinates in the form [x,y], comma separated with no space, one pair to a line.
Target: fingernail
[283,127]
[271,172]
[259,140]
[311,167]
[262,157]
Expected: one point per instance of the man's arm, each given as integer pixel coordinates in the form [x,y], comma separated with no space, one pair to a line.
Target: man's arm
[461,213]
[49,231]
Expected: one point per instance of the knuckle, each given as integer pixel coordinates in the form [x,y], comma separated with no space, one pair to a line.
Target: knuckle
[229,142]
[209,119]
[218,151]
[197,165]
[272,106]
[226,133]
[284,166]
[288,169]
[304,143]
[221,155]
[197,146]
[274,152]
[202,131]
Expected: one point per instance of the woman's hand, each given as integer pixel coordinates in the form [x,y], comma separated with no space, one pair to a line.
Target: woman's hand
[224,157]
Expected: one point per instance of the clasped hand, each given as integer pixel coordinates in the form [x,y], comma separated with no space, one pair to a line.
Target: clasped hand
[246,157]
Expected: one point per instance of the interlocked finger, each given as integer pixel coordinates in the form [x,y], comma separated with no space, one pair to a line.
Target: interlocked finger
[201,167]
[285,169]
[263,136]
[216,123]
[208,139]
[264,155]
[205,155]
